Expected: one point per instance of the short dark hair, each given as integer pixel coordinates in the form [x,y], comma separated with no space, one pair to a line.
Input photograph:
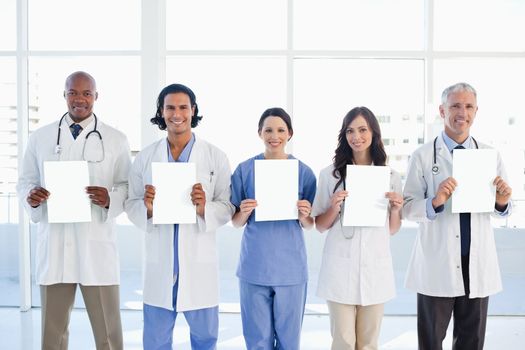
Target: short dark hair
[343,152]
[173,89]
[276,112]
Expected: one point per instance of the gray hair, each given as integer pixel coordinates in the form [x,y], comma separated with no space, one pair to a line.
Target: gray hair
[458,87]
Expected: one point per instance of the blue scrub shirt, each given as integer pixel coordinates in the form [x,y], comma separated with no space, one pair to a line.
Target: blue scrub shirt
[272,252]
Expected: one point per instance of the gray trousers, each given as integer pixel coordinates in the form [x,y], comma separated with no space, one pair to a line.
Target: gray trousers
[103,308]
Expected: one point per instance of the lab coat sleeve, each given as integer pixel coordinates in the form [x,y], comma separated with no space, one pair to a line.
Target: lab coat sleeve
[134,205]
[323,193]
[503,174]
[119,192]
[415,192]
[29,178]
[218,210]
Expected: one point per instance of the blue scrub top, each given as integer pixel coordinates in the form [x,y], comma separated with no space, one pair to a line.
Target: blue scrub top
[272,252]
[183,158]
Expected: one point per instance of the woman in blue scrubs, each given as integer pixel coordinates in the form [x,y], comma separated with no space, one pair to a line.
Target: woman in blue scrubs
[272,267]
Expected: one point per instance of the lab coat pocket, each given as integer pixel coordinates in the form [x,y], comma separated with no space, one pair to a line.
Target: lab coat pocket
[334,277]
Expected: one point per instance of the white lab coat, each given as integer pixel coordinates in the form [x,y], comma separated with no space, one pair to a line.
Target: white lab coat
[435,265]
[84,253]
[198,266]
[356,271]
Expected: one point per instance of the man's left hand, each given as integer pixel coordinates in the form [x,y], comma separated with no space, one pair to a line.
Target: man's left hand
[503,192]
[198,198]
[98,195]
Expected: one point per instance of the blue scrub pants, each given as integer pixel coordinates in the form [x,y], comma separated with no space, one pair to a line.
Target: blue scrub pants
[272,316]
[159,323]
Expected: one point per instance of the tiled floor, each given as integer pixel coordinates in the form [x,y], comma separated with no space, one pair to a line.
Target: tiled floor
[21,330]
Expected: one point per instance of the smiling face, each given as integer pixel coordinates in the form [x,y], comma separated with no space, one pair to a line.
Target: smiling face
[275,135]
[177,113]
[80,94]
[359,135]
[458,114]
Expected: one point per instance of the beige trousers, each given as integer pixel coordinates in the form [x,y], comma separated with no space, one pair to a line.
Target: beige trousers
[355,327]
[103,308]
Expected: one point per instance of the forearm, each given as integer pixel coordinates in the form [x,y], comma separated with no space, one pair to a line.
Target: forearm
[394,221]
[240,218]
[324,221]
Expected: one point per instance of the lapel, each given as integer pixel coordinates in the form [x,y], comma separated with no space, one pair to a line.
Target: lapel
[443,158]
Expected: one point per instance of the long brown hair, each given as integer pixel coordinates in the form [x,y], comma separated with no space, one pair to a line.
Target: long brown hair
[343,152]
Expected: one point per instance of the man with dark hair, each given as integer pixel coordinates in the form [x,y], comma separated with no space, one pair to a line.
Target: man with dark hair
[181,271]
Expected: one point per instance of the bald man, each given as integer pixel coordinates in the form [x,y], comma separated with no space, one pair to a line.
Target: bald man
[78,254]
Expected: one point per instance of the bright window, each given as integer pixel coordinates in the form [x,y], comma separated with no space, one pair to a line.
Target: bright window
[226,24]
[358,25]
[84,25]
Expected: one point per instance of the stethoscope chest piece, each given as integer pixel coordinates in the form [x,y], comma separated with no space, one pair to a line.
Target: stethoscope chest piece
[435,169]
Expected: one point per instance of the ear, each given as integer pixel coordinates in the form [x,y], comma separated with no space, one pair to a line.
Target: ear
[96,95]
[64,94]
[193,111]
[442,111]
[291,134]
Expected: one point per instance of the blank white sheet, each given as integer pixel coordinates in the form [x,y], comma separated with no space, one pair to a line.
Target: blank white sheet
[173,183]
[276,189]
[474,171]
[66,182]
[366,204]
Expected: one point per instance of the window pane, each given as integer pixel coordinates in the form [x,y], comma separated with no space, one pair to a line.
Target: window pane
[118,85]
[358,25]
[326,89]
[500,120]
[228,24]
[9,279]
[474,25]
[8,24]
[80,25]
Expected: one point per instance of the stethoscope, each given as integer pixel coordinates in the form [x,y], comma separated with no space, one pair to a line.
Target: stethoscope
[58,148]
[435,167]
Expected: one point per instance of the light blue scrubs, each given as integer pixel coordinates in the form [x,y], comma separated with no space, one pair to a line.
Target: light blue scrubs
[272,267]
[159,322]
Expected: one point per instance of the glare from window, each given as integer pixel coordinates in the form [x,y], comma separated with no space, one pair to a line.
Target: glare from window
[358,25]
[81,25]
[226,24]
[8,24]
[479,25]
